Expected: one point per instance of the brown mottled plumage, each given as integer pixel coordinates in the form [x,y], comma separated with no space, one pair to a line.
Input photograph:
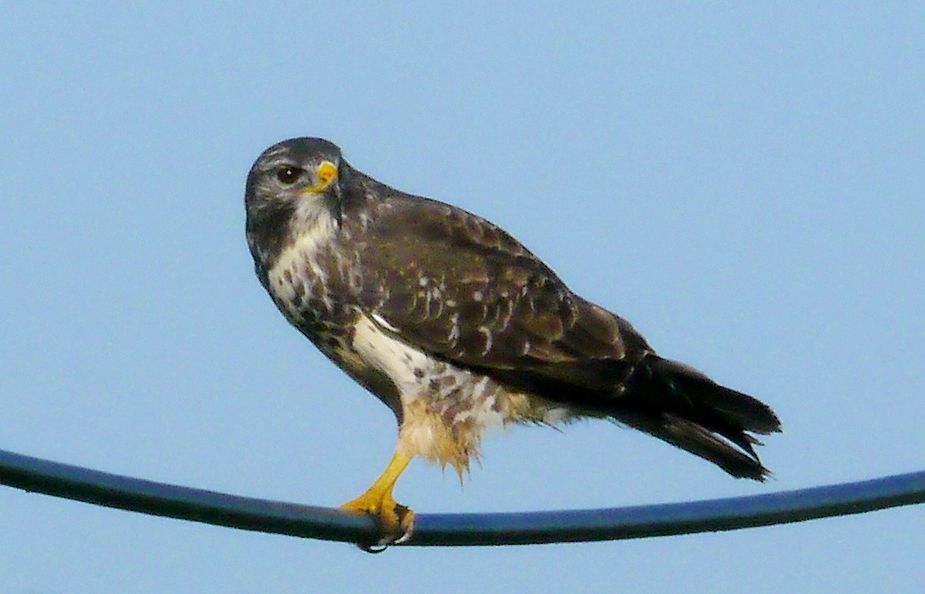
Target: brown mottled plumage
[459,328]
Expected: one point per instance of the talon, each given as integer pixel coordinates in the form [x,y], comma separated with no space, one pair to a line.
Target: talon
[405,522]
[395,521]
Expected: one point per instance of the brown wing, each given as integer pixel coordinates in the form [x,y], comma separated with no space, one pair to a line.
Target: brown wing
[457,286]
[461,288]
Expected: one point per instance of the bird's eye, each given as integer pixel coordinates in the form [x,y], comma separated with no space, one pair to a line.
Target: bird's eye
[288,174]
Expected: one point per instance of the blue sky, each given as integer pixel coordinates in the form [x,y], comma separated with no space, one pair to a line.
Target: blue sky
[744,183]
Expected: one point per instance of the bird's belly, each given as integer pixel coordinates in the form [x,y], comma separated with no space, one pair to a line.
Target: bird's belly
[445,409]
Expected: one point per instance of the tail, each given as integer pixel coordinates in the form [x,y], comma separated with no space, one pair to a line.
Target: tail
[682,406]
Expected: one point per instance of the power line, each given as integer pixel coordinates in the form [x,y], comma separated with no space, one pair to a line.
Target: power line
[198,505]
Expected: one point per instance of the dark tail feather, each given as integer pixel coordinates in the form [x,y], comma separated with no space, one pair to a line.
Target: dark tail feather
[680,405]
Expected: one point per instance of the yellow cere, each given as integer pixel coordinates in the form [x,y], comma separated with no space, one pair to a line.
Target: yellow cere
[327,172]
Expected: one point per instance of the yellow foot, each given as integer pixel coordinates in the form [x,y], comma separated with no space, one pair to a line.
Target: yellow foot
[395,521]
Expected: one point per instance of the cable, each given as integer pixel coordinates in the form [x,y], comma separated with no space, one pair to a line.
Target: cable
[197,505]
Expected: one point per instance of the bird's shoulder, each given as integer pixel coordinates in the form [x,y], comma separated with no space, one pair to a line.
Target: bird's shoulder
[391,217]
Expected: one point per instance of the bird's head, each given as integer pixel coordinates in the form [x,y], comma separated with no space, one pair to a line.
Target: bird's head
[294,187]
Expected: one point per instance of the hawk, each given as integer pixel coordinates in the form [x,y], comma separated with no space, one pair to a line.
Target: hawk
[459,328]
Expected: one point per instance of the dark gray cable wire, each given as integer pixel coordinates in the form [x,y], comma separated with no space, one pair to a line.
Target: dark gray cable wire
[197,505]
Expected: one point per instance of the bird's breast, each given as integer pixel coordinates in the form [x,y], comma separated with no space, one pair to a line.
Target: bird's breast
[315,284]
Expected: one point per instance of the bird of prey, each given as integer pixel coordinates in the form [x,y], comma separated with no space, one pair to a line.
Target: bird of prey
[458,328]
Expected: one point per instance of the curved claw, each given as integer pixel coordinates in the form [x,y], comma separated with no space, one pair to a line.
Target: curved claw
[395,521]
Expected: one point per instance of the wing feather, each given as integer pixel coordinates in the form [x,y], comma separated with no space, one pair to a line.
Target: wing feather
[455,285]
